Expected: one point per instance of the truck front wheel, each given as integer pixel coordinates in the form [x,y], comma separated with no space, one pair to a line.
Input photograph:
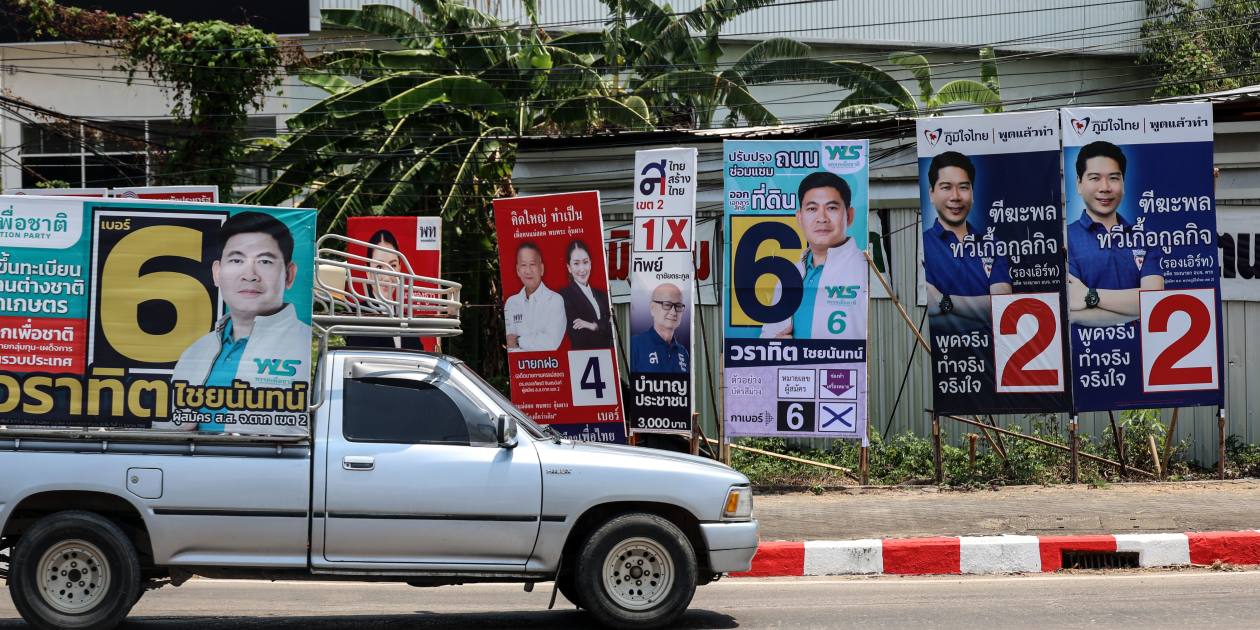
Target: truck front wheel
[74,570]
[636,571]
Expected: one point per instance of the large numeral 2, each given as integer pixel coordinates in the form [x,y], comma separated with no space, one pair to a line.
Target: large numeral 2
[1014,374]
[1164,370]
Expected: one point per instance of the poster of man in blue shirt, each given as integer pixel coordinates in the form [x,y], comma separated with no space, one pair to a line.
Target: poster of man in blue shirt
[658,350]
[1104,278]
[959,278]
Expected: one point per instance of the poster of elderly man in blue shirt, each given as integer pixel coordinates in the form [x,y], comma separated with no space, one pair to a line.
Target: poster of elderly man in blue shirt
[796,295]
[661,292]
[993,262]
[1143,285]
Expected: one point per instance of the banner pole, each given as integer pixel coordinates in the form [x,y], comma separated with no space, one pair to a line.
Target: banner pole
[1119,439]
[1169,437]
[1220,445]
[937,463]
[1074,470]
[892,296]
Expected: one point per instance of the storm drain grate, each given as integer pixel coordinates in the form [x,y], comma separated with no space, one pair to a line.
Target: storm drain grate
[1100,559]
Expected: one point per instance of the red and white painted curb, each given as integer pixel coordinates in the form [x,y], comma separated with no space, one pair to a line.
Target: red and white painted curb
[993,554]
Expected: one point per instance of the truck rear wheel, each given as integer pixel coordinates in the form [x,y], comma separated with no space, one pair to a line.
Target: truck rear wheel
[74,569]
[636,571]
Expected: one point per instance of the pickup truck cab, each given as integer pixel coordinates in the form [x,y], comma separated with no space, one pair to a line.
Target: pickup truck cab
[415,471]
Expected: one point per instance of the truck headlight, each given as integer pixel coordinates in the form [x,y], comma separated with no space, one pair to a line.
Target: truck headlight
[739,503]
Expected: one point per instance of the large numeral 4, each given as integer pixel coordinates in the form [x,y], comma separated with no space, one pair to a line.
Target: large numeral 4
[1179,340]
[1027,343]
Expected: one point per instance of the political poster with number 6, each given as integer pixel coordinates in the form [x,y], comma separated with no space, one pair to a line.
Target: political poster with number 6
[1143,273]
[662,292]
[994,262]
[558,318]
[795,306]
[156,316]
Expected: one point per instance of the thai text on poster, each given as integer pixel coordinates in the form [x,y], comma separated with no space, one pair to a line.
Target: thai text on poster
[1143,274]
[662,287]
[795,312]
[994,262]
[155,316]
[561,353]
[419,241]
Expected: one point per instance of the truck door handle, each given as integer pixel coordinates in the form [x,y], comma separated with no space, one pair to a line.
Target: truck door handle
[358,462]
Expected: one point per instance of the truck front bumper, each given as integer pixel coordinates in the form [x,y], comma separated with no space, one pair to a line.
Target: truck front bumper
[731,545]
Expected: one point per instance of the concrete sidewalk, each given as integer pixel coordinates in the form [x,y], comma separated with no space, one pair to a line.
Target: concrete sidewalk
[904,512]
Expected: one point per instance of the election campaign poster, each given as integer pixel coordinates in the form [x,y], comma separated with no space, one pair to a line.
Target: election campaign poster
[662,289]
[419,240]
[200,194]
[1238,231]
[1144,288]
[994,262]
[706,256]
[796,297]
[561,352]
[165,316]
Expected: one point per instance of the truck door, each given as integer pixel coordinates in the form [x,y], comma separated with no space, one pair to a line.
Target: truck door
[414,476]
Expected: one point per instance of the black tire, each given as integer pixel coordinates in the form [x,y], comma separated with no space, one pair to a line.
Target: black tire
[43,603]
[662,571]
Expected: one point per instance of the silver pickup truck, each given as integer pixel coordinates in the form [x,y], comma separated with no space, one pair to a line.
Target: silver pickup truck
[416,471]
[412,470]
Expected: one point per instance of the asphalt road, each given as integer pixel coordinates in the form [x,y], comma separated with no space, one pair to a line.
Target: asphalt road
[1138,599]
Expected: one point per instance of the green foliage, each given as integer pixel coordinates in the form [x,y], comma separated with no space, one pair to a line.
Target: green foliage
[52,183]
[216,73]
[876,99]
[1194,50]
[1241,459]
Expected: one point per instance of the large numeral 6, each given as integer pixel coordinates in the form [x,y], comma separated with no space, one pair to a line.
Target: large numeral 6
[747,268]
[124,289]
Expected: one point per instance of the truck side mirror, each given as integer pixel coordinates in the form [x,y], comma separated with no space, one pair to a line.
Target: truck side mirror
[505,430]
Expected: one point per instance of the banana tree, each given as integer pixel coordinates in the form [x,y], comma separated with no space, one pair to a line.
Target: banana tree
[985,93]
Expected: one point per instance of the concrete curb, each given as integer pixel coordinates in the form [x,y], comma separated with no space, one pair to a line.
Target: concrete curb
[993,554]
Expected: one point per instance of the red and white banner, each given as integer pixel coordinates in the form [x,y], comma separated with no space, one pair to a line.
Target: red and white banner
[202,194]
[418,239]
[558,318]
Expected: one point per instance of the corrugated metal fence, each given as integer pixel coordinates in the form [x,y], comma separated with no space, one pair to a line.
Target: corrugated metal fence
[898,408]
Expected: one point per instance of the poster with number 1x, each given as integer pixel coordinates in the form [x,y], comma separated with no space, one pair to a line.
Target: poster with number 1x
[557,314]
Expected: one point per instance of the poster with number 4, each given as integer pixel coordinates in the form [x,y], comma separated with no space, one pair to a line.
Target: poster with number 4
[1143,274]
[557,315]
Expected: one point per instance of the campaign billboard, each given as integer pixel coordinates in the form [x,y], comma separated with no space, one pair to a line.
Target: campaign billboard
[158,316]
[662,292]
[706,256]
[994,262]
[1144,287]
[200,194]
[419,240]
[795,308]
[558,319]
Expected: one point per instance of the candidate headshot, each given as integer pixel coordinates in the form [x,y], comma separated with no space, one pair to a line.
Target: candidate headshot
[658,349]
[588,318]
[959,277]
[382,291]
[831,259]
[1106,270]
[252,269]
[534,316]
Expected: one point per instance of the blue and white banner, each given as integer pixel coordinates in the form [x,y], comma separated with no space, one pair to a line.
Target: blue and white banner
[1144,293]
[994,262]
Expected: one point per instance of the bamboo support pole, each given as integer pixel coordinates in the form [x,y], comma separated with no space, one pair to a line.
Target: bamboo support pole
[787,457]
[1150,440]
[1168,439]
[1093,458]
[900,309]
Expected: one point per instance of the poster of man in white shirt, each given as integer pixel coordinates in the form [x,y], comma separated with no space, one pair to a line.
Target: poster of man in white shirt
[535,316]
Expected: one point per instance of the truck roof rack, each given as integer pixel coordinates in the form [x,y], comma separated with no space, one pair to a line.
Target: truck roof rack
[358,295]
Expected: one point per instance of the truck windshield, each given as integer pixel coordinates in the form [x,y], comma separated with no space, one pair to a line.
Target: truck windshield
[501,401]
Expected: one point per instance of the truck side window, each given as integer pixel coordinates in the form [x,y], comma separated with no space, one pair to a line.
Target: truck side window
[403,411]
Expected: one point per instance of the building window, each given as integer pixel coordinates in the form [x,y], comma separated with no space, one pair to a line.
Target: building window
[112,154]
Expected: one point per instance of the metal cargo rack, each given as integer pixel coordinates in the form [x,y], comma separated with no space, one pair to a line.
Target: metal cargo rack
[358,295]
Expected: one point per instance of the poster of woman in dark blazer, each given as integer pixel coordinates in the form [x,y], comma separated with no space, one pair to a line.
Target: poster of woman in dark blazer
[588,319]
